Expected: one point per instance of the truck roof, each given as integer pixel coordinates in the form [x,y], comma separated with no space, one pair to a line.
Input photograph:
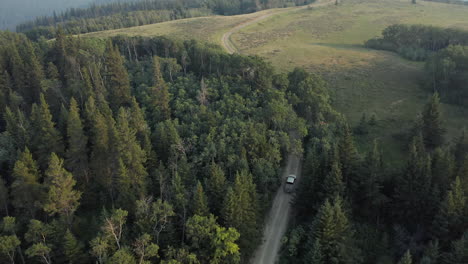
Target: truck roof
[291,179]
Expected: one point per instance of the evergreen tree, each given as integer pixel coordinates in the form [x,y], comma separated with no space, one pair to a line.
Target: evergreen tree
[73,249]
[116,78]
[370,197]
[62,199]
[132,172]
[348,158]
[76,154]
[414,200]
[200,206]
[333,184]
[180,201]
[34,74]
[332,235]
[241,208]
[216,188]
[452,213]
[459,251]
[102,145]
[159,95]
[143,132]
[432,128]
[166,138]
[18,127]
[406,259]
[46,138]
[26,189]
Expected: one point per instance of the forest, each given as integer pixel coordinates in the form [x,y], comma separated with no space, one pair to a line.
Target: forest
[153,150]
[116,15]
[445,52]
[137,150]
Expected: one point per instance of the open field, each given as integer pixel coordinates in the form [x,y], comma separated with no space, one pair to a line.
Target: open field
[329,40]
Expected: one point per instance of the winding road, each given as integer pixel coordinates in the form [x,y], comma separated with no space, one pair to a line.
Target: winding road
[226,38]
[278,217]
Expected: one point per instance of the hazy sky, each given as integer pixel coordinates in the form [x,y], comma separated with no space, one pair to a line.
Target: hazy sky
[13,12]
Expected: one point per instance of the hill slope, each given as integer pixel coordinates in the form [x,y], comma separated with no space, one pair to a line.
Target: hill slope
[330,40]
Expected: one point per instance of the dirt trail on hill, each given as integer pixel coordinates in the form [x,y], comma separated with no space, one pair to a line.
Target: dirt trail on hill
[226,38]
[278,217]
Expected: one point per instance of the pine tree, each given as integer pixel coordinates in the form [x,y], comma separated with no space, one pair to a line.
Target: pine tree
[443,170]
[333,184]
[34,74]
[102,146]
[452,213]
[200,206]
[76,154]
[241,208]
[166,138]
[432,128]
[180,201]
[143,131]
[216,188]
[413,195]
[370,197]
[332,230]
[46,138]
[26,189]
[132,172]
[116,78]
[459,251]
[62,199]
[348,158]
[73,249]
[159,95]
[18,127]
[406,259]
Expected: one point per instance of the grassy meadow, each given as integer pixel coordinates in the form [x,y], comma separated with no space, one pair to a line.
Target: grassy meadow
[329,40]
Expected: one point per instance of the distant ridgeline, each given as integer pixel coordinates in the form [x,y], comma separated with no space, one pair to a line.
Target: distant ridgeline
[137,13]
[445,51]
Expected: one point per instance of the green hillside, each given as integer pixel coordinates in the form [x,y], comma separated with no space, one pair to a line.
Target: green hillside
[330,40]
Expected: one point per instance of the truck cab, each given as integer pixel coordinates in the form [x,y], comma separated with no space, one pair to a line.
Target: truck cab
[289,185]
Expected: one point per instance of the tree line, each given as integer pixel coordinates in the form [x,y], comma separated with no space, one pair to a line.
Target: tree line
[141,150]
[116,15]
[443,50]
[417,42]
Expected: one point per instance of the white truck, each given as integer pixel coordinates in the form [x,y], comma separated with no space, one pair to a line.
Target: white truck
[289,185]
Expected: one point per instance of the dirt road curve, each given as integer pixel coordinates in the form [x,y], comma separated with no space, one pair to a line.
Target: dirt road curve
[226,39]
[277,220]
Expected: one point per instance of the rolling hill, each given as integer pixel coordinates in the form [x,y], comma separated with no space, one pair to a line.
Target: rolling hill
[329,40]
